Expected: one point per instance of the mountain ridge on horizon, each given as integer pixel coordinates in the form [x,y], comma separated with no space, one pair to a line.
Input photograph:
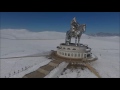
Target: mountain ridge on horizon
[103,34]
[53,33]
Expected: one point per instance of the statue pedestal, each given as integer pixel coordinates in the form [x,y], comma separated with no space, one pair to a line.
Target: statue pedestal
[72,51]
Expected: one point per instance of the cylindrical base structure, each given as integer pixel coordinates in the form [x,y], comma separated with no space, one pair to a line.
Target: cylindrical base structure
[72,51]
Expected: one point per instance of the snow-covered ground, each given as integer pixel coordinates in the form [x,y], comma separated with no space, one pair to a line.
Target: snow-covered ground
[108,62]
[57,71]
[15,43]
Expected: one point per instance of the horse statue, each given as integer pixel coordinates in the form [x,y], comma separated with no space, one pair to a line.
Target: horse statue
[75,31]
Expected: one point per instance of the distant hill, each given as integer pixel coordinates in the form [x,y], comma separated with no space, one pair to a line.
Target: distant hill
[26,34]
[104,34]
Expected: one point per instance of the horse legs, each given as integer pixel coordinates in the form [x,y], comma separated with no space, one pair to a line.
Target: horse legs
[66,40]
[70,40]
[76,41]
[79,36]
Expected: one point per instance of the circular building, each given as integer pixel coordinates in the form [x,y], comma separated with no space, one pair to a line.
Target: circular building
[73,52]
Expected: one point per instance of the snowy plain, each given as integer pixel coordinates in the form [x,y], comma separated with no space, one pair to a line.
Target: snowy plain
[21,42]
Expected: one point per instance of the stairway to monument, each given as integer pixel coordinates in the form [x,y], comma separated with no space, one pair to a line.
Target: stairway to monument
[44,70]
[93,70]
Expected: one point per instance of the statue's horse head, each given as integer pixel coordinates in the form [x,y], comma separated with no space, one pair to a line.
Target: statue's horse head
[82,28]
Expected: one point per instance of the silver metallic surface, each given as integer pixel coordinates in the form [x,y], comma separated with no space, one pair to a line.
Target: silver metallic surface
[75,31]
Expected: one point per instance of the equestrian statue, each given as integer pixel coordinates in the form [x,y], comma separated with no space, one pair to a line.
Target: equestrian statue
[75,31]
